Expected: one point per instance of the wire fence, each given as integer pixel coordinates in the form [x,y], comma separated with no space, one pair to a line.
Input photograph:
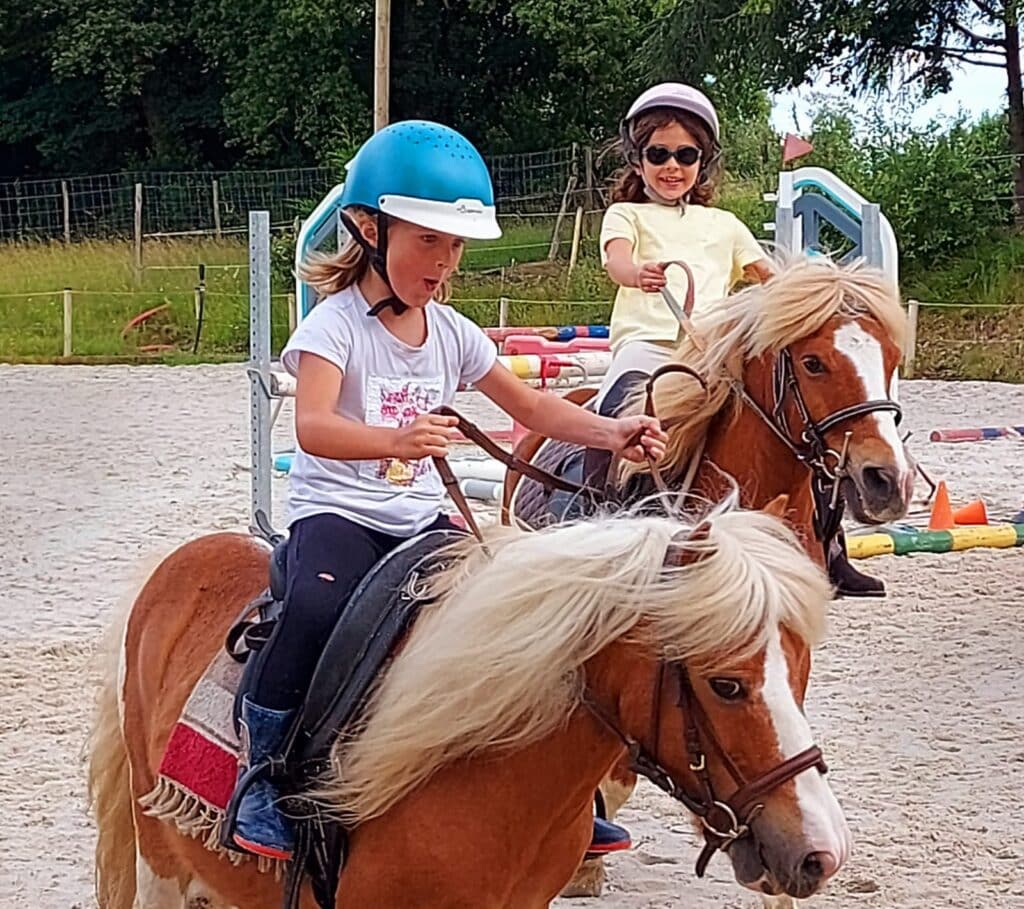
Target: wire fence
[148,204]
[955,339]
[539,195]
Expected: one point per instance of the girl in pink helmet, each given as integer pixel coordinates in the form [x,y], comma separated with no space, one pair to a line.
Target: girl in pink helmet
[662,210]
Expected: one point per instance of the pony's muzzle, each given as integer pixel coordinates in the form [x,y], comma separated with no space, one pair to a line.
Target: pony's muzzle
[880,491]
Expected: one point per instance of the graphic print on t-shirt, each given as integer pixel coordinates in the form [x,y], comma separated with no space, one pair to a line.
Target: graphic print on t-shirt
[398,402]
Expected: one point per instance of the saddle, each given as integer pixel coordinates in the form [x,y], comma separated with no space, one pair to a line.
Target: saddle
[536,505]
[376,618]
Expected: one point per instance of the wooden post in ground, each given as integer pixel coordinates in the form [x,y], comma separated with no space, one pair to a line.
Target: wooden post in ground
[577,228]
[138,234]
[381,63]
[910,354]
[570,185]
[216,209]
[66,196]
[67,321]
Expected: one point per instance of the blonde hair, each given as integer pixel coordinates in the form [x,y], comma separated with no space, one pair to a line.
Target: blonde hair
[328,274]
[804,294]
[496,661]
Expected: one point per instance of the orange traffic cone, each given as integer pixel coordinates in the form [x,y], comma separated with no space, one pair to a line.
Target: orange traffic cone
[972,513]
[942,513]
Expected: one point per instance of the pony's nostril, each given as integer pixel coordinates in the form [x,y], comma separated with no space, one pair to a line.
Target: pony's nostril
[879,482]
[818,866]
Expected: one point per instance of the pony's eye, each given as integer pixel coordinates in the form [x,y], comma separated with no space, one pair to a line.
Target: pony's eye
[727,689]
[813,365]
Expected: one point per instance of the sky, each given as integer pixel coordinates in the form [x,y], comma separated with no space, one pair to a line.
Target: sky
[976,90]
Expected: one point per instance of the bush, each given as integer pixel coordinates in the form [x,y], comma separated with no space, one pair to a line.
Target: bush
[943,188]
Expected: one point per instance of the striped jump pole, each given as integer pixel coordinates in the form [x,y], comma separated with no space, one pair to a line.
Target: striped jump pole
[980,434]
[992,536]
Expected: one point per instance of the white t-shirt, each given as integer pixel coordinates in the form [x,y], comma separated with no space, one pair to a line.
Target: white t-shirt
[386,383]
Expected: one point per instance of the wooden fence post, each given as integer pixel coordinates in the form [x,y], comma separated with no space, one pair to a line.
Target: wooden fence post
[67,321]
[910,354]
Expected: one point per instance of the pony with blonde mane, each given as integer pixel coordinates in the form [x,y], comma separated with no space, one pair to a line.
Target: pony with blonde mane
[816,347]
[512,697]
[799,381]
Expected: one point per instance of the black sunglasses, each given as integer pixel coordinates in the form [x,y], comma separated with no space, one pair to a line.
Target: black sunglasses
[687,155]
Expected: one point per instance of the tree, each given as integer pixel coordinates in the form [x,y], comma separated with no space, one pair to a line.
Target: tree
[864,43]
[930,39]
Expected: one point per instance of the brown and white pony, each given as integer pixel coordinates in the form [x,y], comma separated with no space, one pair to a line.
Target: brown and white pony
[791,367]
[471,783]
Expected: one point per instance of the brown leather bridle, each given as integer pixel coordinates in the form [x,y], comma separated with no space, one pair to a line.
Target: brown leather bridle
[723,820]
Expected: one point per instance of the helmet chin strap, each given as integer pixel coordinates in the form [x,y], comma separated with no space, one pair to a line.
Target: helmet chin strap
[378,259]
[655,196]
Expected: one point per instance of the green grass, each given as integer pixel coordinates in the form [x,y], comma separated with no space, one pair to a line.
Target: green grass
[968,342]
[984,338]
[107,293]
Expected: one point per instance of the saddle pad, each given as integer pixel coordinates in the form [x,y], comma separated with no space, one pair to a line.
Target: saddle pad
[535,506]
[200,762]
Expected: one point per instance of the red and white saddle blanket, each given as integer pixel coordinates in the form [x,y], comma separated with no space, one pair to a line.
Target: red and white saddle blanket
[200,763]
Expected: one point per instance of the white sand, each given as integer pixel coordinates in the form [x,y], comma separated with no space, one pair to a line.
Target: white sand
[917,699]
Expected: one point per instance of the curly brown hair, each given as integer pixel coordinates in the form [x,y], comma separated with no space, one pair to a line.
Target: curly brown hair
[628,185]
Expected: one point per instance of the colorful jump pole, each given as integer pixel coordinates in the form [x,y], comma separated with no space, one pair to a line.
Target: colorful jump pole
[993,536]
[980,434]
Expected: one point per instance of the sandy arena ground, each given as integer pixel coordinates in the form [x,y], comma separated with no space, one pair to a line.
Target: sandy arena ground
[917,699]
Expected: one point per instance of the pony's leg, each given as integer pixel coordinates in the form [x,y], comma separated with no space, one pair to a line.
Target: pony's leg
[779,902]
[616,788]
[153,891]
[199,896]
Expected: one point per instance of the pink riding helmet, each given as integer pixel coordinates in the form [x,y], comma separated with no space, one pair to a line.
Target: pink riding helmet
[667,94]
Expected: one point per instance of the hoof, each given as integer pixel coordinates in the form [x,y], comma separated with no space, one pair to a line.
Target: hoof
[588,880]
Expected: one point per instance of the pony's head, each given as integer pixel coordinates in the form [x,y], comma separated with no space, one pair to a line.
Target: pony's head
[719,707]
[816,348]
[607,616]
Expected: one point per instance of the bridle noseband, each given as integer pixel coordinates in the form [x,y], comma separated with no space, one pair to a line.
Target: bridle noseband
[723,820]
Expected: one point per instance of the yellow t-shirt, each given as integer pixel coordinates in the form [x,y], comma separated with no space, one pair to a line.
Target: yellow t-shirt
[714,243]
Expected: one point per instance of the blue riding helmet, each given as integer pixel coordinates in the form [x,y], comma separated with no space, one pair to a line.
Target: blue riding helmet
[427,174]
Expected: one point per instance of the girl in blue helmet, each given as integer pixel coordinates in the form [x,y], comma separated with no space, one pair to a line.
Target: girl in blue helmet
[375,356]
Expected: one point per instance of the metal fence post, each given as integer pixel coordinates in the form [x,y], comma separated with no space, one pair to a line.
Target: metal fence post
[259,366]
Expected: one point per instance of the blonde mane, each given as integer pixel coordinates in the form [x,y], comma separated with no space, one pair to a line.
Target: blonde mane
[795,304]
[496,662]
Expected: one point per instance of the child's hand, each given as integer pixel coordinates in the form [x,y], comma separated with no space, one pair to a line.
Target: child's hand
[650,277]
[634,438]
[425,437]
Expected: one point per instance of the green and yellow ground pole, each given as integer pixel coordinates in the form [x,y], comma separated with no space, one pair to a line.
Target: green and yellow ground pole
[894,542]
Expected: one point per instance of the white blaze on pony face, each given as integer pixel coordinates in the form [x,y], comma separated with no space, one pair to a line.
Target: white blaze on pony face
[865,352]
[883,454]
[824,825]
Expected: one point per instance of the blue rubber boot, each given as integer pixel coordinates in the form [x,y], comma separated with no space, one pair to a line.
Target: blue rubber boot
[260,828]
[608,837]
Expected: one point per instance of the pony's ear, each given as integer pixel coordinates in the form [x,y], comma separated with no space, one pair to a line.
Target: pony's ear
[681,555]
[777,507]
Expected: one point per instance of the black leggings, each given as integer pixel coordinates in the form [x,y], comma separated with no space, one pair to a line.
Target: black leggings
[328,556]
